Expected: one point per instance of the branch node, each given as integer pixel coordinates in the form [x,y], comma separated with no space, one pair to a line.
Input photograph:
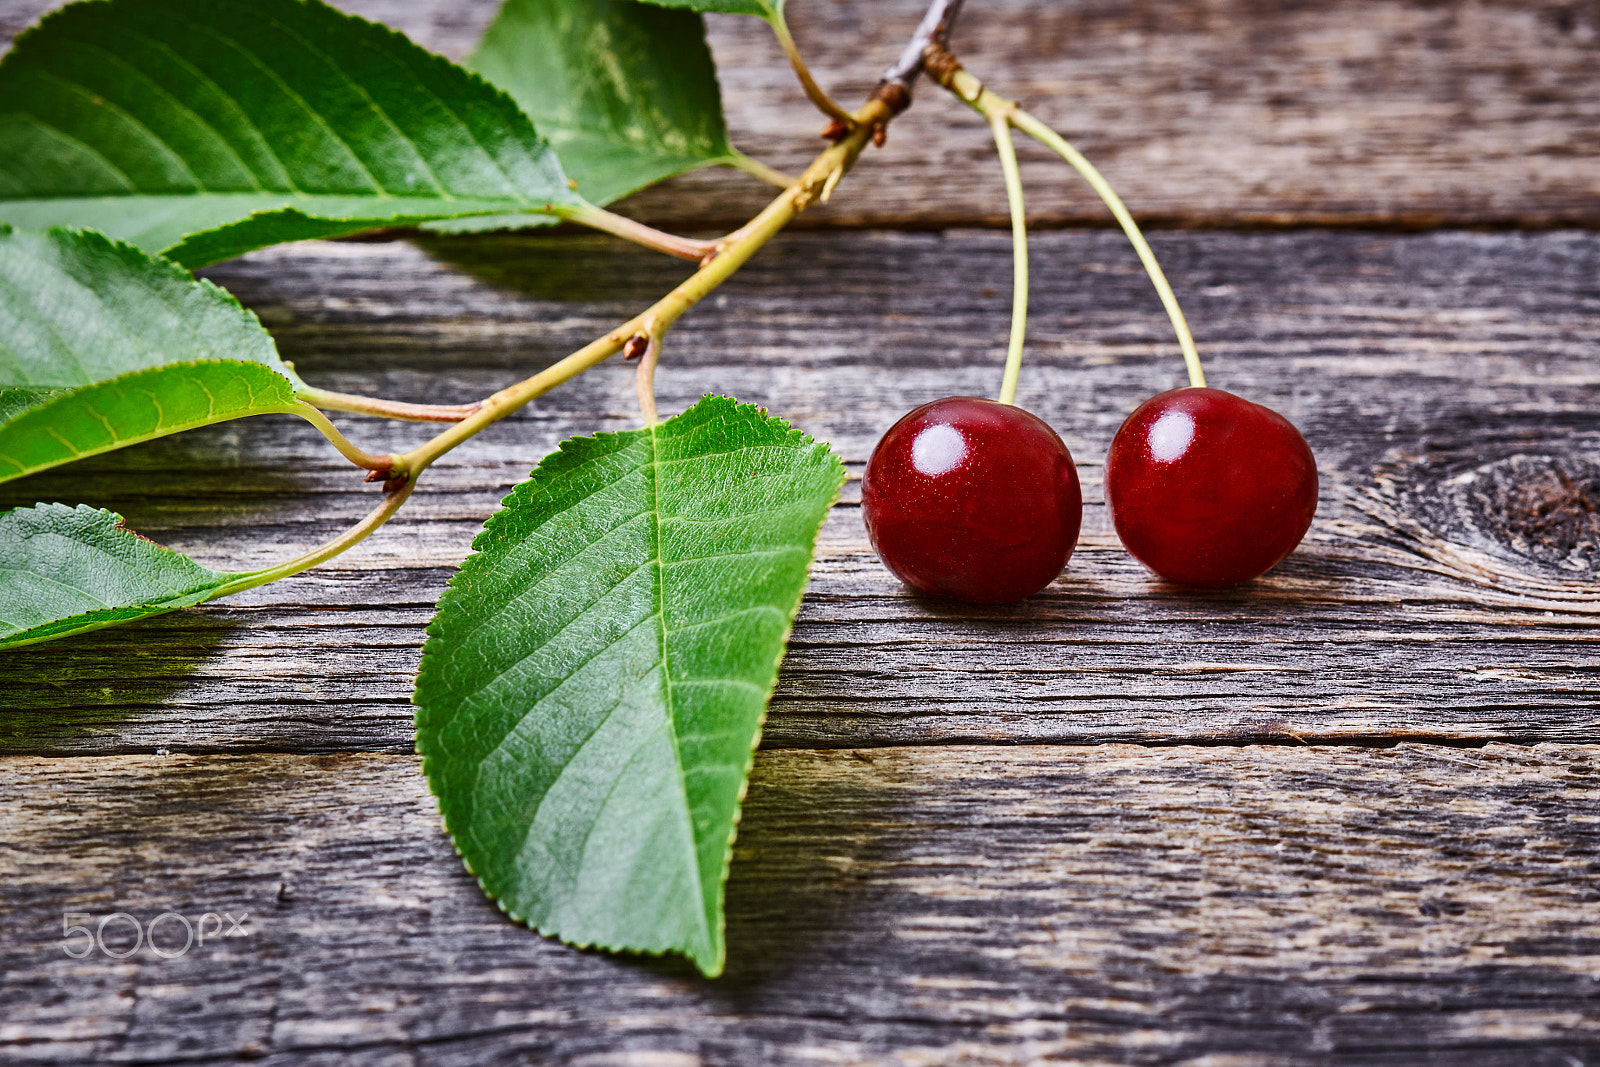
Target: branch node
[934,29]
[940,64]
[636,346]
[896,95]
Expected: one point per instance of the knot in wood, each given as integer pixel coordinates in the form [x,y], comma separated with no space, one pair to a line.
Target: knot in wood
[1544,508]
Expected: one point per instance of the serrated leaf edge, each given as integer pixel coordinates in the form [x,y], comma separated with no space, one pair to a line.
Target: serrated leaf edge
[20,638]
[381,30]
[66,395]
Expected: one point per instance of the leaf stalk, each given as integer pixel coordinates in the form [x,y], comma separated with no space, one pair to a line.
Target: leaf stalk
[648,352]
[814,92]
[759,170]
[377,464]
[598,218]
[387,409]
[392,500]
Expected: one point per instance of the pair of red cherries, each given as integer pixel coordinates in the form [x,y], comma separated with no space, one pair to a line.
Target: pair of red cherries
[977,500]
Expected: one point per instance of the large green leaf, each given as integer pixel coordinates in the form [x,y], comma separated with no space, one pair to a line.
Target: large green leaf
[207,128]
[594,683]
[64,570]
[102,345]
[626,92]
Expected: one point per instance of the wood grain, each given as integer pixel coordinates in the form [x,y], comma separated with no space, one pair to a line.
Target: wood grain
[932,869]
[900,906]
[1407,113]
[1436,376]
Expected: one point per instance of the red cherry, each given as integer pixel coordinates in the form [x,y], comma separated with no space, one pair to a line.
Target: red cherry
[1208,489]
[972,499]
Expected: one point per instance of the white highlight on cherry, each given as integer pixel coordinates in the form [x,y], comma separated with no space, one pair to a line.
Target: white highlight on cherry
[1170,436]
[938,449]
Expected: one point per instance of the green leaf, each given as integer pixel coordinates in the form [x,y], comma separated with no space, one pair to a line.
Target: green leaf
[137,407]
[14,402]
[771,10]
[102,346]
[207,128]
[64,570]
[627,93]
[593,686]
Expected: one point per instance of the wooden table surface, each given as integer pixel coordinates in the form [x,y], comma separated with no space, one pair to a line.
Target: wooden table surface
[1347,813]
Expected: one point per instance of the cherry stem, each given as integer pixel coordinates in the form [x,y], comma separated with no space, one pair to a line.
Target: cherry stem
[759,170]
[388,409]
[970,90]
[597,218]
[1000,125]
[1050,139]
[366,460]
[814,92]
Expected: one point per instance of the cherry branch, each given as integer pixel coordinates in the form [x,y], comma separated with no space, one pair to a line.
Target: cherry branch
[729,254]
[719,260]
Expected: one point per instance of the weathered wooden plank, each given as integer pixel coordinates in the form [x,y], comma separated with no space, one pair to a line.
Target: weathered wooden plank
[1442,379]
[960,905]
[1215,112]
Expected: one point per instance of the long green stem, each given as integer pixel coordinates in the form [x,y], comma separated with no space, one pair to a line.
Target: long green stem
[388,409]
[971,91]
[730,254]
[597,218]
[814,92]
[999,124]
[354,535]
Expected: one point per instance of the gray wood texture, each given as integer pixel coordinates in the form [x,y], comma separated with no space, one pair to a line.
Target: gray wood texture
[1359,821]
[1395,113]
[972,905]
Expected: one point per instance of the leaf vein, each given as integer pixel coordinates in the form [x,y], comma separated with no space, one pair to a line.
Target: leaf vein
[294,94]
[128,119]
[60,134]
[179,105]
[376,109]
[233,102]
